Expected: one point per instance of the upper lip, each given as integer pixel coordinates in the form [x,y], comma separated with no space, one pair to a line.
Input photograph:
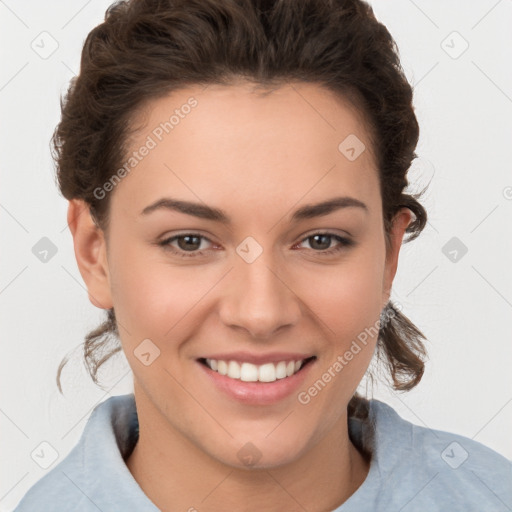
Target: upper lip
[259,359]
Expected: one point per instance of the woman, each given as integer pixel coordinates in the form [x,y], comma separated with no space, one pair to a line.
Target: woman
[235,171]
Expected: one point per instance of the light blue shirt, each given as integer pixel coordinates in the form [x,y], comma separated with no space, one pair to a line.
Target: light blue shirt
[413,468]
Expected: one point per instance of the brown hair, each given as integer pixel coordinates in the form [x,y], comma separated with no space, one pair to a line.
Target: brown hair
[145,49]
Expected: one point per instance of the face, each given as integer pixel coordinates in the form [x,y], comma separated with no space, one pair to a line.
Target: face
[252,273]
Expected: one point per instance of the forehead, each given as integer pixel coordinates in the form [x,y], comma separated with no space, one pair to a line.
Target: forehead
[219,143]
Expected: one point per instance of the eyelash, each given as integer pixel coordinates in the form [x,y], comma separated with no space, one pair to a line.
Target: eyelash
[344,243]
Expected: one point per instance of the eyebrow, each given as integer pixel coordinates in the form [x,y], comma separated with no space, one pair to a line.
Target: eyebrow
[203,211]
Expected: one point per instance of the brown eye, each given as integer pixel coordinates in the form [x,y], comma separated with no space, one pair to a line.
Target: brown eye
[190,242]
[187,244]
[321,242]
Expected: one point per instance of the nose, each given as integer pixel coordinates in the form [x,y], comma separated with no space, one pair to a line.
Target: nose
[259,299]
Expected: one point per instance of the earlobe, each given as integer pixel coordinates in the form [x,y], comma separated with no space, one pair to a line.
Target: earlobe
[400,222]
[90,253]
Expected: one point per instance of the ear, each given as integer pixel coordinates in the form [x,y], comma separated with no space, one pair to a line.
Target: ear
[91,253]
[400,222]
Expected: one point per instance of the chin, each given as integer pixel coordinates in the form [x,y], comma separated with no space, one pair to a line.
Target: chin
[260,454]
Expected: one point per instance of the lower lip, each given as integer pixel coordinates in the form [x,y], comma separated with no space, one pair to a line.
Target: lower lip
[258,393]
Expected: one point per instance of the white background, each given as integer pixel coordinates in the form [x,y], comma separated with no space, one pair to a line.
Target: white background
[464,106]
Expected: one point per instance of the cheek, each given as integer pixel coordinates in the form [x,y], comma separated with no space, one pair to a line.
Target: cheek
[146,294]
[348,297]
[156,299]
[349,309]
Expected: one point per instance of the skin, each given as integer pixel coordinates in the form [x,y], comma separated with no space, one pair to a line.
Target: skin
[259,158]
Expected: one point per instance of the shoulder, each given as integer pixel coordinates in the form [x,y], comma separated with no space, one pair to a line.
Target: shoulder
[93,476]
[433,468]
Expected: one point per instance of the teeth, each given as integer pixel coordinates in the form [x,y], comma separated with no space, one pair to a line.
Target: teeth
[234,370]
[248,372]
[281,370]
[222,367]
[267,372]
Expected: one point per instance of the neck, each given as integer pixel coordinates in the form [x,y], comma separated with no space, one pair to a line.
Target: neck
[176,475]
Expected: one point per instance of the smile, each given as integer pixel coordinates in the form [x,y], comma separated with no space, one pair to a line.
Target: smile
[248,372]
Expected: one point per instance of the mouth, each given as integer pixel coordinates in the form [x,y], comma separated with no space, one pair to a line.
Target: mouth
[249,372]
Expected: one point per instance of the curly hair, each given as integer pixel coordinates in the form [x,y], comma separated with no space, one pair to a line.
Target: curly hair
[146,49]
